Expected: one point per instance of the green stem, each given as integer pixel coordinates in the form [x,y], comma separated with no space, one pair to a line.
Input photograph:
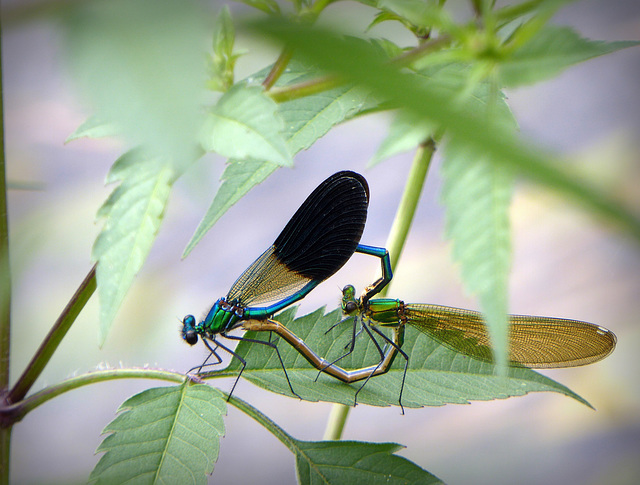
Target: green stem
[15,412]
[5,270]
[287,53]
[218,374]
[53,339]
[395,243]
[5,295]
[407,58]
[278,68]
[265,421]
[337,420]
[325,83]
[303,89]
[5,450]
[407,207]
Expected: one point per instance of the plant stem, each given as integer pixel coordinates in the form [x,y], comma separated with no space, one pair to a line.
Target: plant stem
[53,339]
[407,207]
[330,81]
[306,88]
[5,270]
[5,451]
[278,68]
[395,243]
[265,421]
[337,420]
[407,58]
[5,294]
[15,412]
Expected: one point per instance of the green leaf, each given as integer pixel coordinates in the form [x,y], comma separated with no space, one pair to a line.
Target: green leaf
[93,127]
[388,49]
[368,3]
[358,62]
[406,132]
[306,120]
[223,59]
[521,11]
[420,13]
[549,52]
[300,4]
[141,65]
[133,213]
[342,462]
[245,124]
[224,33]
[267,6]
[436,374]
[238,178]
[338,462]
[477,196]
[383,16]
[163,435]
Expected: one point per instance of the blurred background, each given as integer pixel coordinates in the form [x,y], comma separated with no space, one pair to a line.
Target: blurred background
[565,264]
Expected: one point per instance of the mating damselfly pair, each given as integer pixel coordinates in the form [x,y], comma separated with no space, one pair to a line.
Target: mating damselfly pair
[319,239]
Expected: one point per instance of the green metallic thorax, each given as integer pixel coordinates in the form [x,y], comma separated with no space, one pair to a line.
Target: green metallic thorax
[222,317]
[386,311]
[225,316]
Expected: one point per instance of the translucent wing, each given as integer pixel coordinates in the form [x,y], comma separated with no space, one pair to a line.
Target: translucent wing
[538,342]
[266,280]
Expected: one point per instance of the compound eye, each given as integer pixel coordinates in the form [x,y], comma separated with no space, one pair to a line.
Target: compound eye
[189,321]
[349,291]
[350,307]
[191,337]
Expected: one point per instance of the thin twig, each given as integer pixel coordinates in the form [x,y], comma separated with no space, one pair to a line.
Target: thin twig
[16,411]
[330,81]
[54,337]
[407,207]
[278,68]
[5,296]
